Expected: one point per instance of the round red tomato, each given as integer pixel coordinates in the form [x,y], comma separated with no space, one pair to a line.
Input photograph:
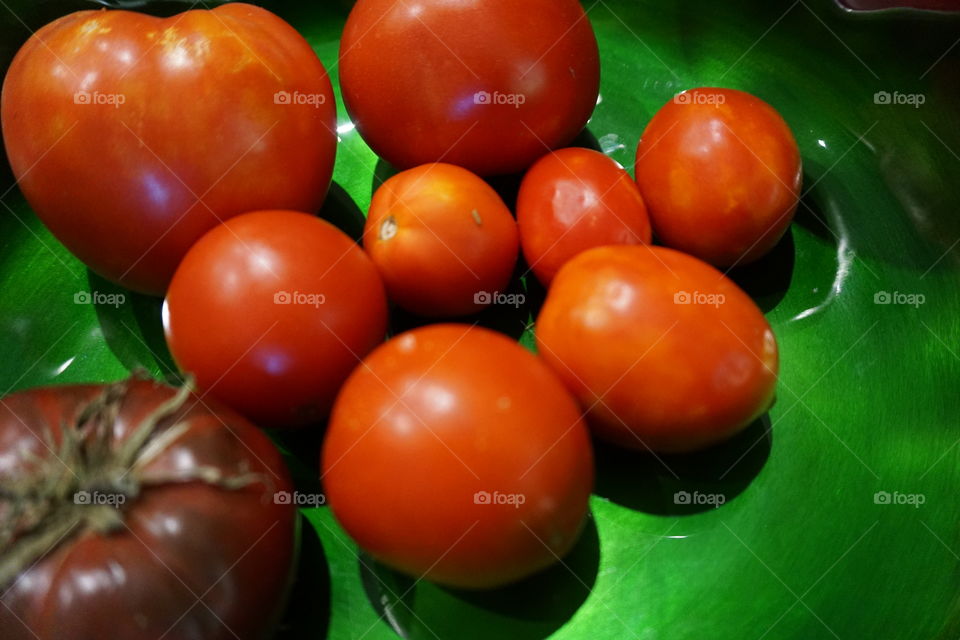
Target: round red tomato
[720,172]
[456,455]
[575,199]
[443,240]
[488,86]
[271,311]
[139,511]
[133,135]
[662,350]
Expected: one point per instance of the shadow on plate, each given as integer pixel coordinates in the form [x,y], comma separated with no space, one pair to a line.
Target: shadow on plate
[308,607]
[340,210]
[132,328]
[531,609]
[676,484]
[768,279]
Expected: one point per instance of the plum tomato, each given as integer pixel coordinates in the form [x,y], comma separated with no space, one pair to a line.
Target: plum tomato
[662,350]
[456,455]
[132,135]
[576,199]
[138,511]
[490,86]
[270,311]
[443,240]
[720,173]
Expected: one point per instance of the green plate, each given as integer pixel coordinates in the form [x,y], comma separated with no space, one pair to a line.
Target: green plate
[840,515]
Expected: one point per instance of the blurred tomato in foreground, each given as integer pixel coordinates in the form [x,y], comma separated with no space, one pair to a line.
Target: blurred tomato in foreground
[456,455]
[443,240]
[663,351]
[490,86]
[576,199]
[133,135]
[135,511]
[720,173]
[271,311]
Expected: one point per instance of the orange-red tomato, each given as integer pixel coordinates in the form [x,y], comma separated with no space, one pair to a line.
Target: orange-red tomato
[271,311]
[662,350]
[456,455]
[575,199]
[443,240]
[720,172]
[131,135]
[489,85]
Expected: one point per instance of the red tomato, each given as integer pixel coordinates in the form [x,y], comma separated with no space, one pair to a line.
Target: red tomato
[456,455]
[488,86]
[663,351]
[137,511]
[271,311]
[720,172]
[575,199]
[443,240]
[132,135]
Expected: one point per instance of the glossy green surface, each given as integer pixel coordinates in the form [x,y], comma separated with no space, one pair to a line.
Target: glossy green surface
[867,401]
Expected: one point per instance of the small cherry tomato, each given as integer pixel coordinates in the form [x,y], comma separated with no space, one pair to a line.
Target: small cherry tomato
[662,350]
[575,199]
[271,311]
[489,85]
[456,455]
[720,172]
[443,240]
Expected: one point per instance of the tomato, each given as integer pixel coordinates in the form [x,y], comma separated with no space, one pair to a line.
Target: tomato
[271,311]
[487,86]
[456,455]
[138,511]
[720,172]
[132,135]
[662,350]
[443,240]
[575,199]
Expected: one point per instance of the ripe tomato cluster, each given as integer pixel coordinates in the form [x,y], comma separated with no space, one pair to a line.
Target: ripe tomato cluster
[450,452]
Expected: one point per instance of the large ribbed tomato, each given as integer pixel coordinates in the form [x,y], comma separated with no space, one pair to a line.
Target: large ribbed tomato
[132,135]
[135,511]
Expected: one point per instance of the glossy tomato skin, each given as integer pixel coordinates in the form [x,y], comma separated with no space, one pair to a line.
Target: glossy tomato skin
[486,86]
[576,199]
[423,435]
[271,311]
[443,240]
[132,135]
[662,350]
[721,173]
[179,539]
